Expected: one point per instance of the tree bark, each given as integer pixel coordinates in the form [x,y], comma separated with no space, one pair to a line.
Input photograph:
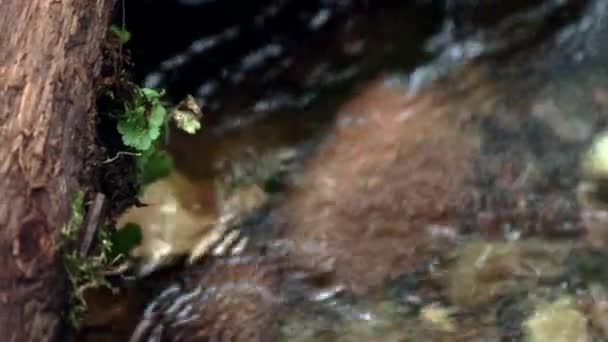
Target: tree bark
[49,56]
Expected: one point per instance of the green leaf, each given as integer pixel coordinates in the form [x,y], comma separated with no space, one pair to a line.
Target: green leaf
[157,117]
[123,35]
[135,132]
[151,94]
[154,165]
[135,112]
[153,133]
[124,240]
[140,129]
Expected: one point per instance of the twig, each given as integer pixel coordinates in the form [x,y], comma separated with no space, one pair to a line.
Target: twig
[118,270]
[90,224]
[120,154]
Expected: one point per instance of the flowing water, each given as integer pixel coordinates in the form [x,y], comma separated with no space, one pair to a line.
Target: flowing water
[419,165]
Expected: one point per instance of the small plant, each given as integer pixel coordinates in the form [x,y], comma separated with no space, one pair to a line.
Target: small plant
[123,35]
[84,272]
[143,119]
[142,123]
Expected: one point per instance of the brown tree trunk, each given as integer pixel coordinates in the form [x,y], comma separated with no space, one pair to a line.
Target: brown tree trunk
[49,54]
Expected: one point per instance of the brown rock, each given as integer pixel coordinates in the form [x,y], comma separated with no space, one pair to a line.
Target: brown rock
[230,299]
[387,187]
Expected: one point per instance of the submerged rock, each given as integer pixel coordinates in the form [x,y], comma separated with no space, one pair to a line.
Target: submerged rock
[439,317]
[559,321]
[592,190]
[387,186]
[231,299]
[484,271]
[176,216]
[183,217]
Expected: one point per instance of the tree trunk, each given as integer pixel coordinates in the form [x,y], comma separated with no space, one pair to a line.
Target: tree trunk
[49,54]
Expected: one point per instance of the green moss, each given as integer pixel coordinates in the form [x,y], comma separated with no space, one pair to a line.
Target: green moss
[83,272]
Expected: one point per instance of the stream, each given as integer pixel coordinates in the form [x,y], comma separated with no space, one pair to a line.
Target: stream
[395,171]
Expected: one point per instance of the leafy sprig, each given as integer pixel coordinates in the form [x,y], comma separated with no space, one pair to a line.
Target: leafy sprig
[143,119]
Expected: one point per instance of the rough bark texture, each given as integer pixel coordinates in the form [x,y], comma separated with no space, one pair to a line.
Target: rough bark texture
[48,60]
